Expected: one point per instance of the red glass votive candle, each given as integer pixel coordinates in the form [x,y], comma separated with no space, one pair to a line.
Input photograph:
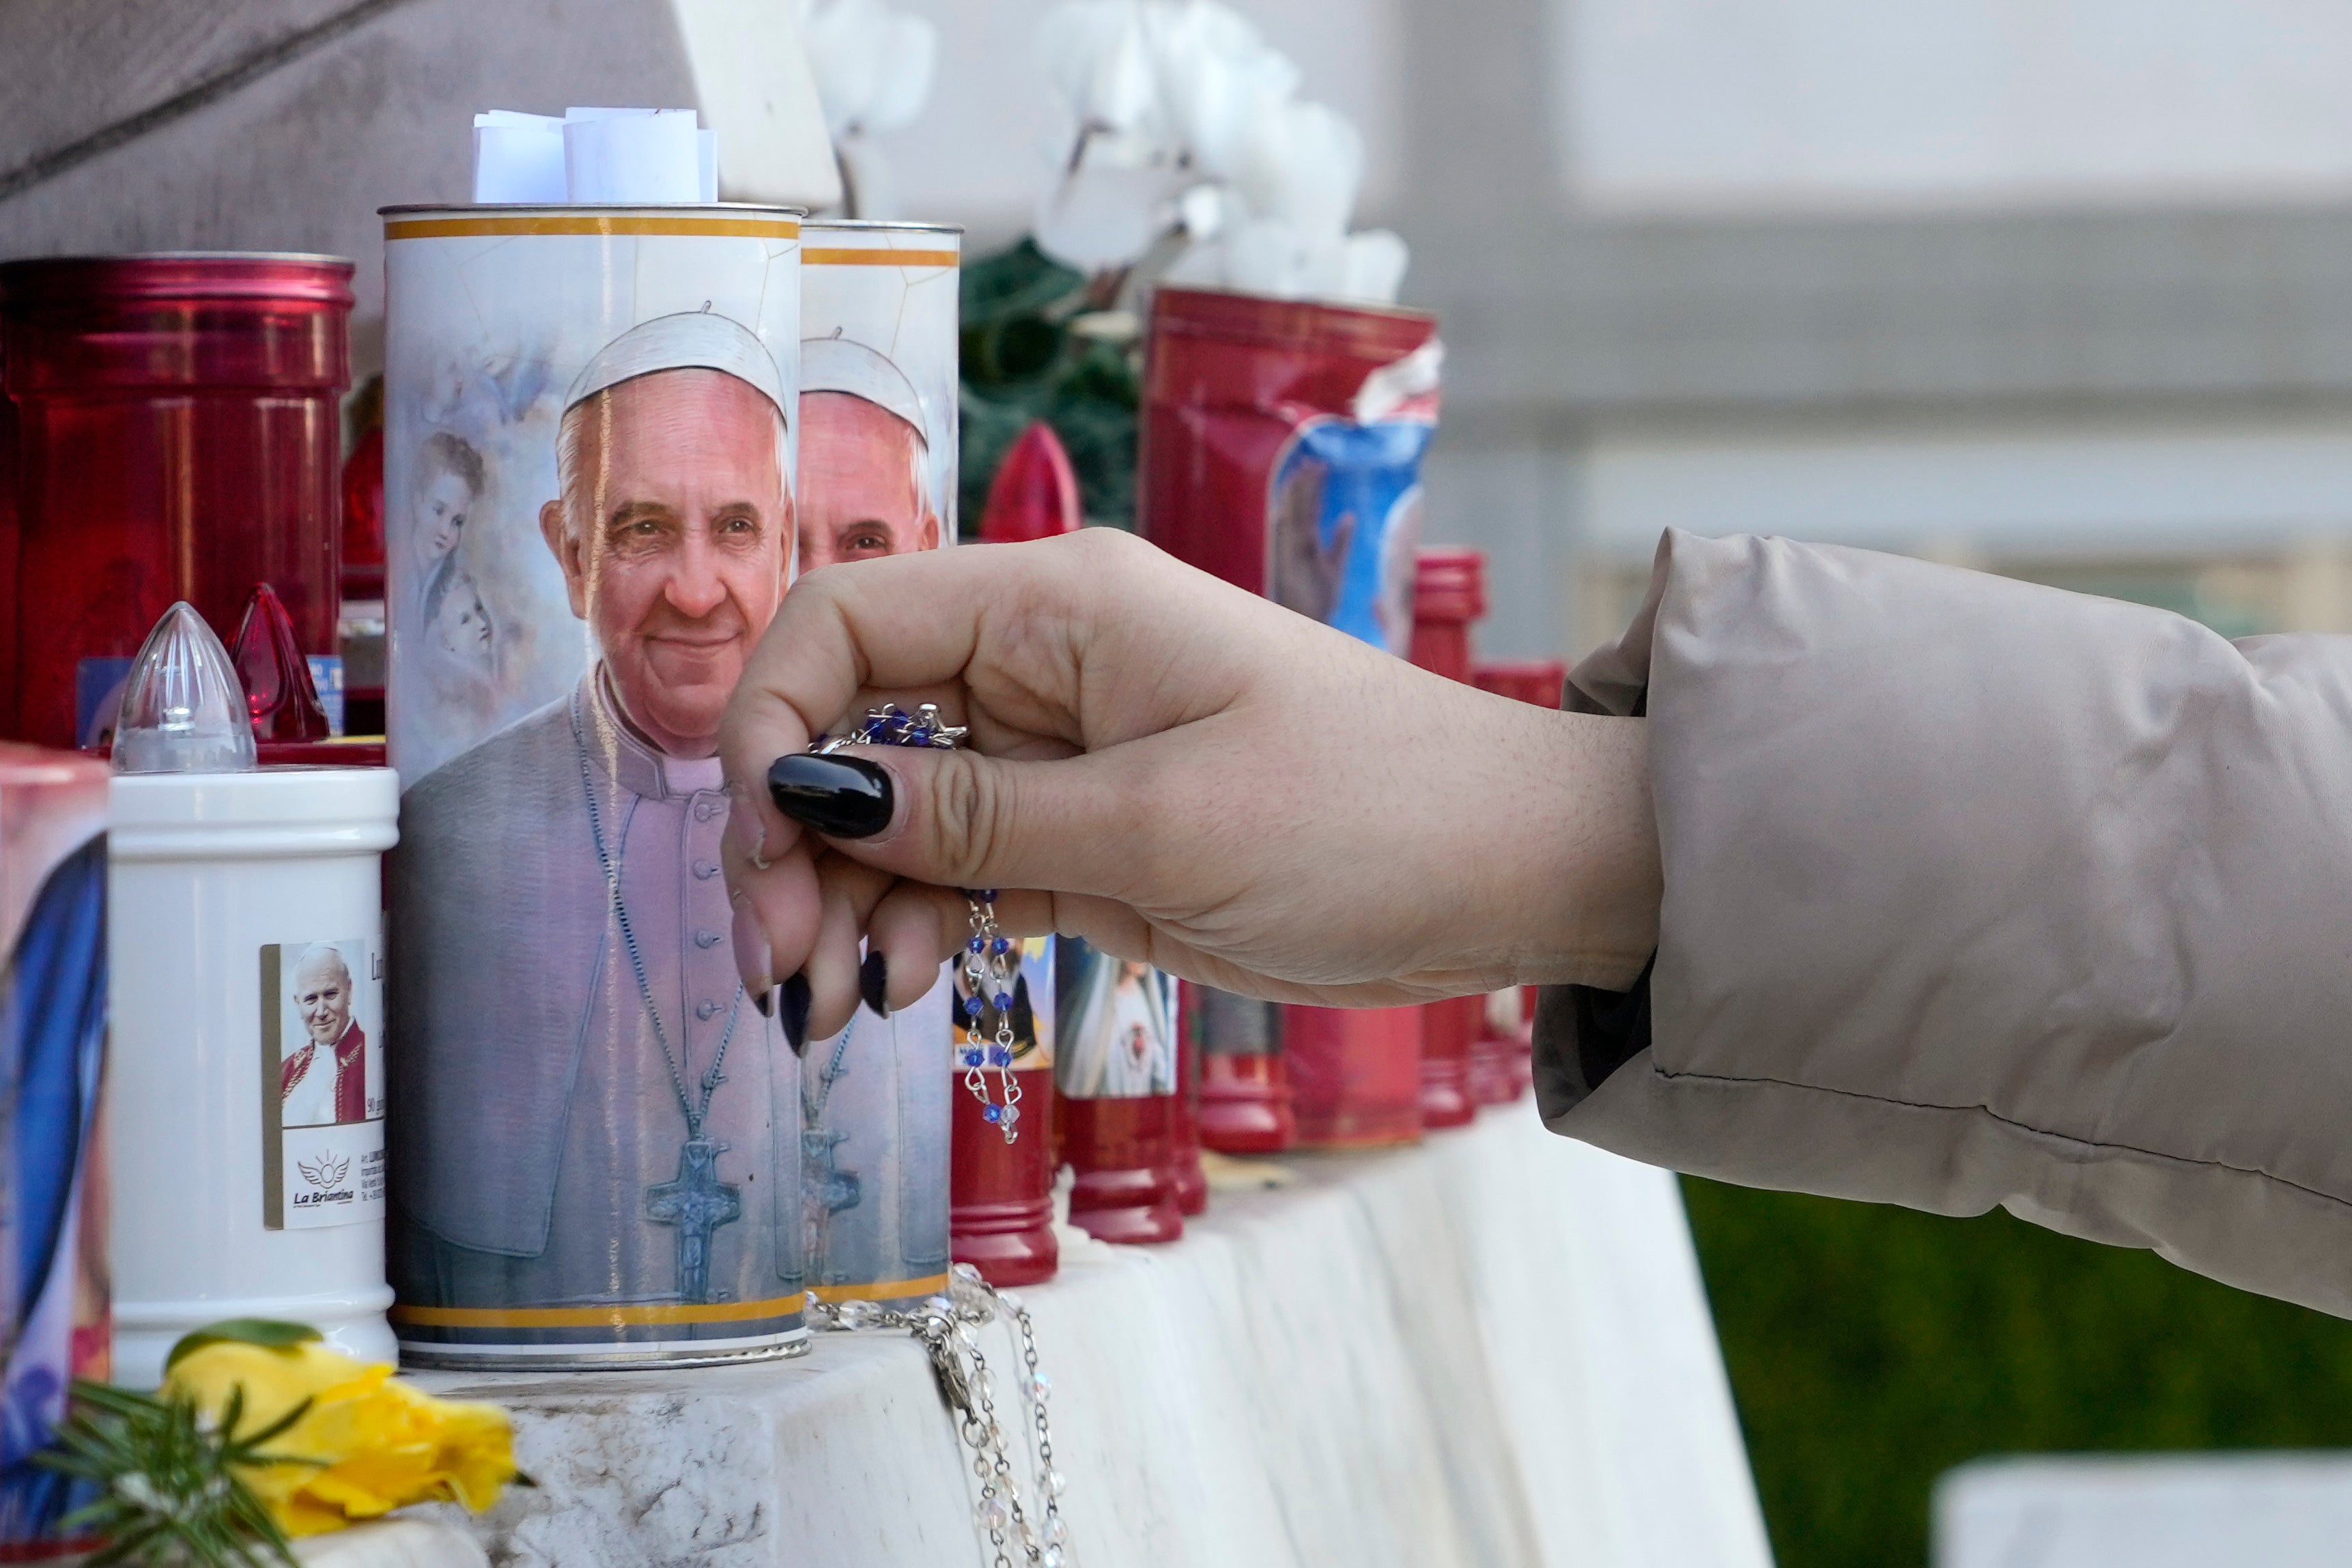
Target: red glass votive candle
[1241,393]
[1115,1051]
[1355,1075]
[1245,1101]
[179,437]
[1001,1195]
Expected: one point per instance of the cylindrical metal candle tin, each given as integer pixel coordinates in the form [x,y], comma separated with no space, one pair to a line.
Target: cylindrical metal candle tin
[877,476]
[247,1079]
[53,1195]
[591,417]
[180,438]
[1115,1064]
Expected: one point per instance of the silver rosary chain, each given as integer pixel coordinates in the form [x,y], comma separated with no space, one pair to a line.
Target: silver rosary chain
[1022,1526]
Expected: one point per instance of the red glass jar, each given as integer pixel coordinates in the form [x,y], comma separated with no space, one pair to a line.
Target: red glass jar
[1001,1195]
[179,437]
[1121,1150]
[1245,1101]
[1115,1039]
[1502,1058]
[1229,383]
[1355,1075]
[1232,381]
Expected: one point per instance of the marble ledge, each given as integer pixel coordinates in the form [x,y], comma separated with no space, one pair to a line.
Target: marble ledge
[1489,1350]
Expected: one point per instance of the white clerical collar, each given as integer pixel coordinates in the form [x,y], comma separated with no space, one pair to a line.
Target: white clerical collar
[635,763]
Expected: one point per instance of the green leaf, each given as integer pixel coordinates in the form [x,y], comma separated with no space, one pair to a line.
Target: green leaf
[266,1333]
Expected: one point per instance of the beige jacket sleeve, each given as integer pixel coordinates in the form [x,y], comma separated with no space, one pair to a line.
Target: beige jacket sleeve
[1978,894]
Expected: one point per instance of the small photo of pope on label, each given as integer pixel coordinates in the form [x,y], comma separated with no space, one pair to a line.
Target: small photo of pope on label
[323,1084]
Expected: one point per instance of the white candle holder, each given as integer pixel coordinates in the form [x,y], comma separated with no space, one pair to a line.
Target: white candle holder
[246,950]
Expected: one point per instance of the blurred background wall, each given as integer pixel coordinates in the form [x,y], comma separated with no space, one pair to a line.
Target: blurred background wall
[2053,286]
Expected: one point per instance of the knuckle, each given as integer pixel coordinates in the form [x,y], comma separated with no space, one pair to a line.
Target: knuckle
[962,813]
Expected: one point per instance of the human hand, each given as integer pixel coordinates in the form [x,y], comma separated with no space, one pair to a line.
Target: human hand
[1179,772]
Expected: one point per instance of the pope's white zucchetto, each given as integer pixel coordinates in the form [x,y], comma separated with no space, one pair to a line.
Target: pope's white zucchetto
[839,364]
[691,340]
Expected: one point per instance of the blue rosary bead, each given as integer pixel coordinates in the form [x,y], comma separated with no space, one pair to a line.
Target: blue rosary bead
[1004,1001]
[998,1057]
[1001,946]
[973,1058]
[971,1007]
[994,1112]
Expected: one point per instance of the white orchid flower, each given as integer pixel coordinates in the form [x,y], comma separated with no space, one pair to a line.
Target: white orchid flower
[1302,164]
[1285,260]
[872,65]
[1095,56]
[1374,268]
[1216,78]
[1104,216]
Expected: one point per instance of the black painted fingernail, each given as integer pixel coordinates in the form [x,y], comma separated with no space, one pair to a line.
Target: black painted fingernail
[797,1011]
[766,1002]
[840,797]
[873,981]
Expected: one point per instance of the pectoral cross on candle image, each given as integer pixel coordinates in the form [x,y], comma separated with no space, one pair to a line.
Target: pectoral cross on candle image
[698,1203]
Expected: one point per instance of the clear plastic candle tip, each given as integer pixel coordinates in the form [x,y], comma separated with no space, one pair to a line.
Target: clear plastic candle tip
[183,709]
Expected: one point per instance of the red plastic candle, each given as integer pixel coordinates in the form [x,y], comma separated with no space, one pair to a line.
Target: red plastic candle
[1230,384]
[1115,1051]
[1449,593]
[179,437]
[1034,494]
[1355,1075]
[1001,1195]
[278,685]
[1246,1101]
[1502,1057]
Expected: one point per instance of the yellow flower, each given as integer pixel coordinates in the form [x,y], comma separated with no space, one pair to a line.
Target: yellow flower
[367,1443]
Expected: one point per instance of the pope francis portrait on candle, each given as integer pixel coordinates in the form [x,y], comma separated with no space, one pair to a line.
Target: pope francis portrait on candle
[611,1117]
[874,1112]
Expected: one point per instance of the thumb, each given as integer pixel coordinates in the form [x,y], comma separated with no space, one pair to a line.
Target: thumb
[958,819]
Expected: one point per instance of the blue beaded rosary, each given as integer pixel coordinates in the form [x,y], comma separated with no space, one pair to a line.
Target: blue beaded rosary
[989,957]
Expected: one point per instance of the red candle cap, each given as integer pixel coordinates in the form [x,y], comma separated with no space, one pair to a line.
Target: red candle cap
[1536,681]
[277,677]
[1449,583]
[1034,494]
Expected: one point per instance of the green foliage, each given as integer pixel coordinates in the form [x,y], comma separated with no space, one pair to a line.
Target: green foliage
[1024,359]
[1872,1348]
[170,1495]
